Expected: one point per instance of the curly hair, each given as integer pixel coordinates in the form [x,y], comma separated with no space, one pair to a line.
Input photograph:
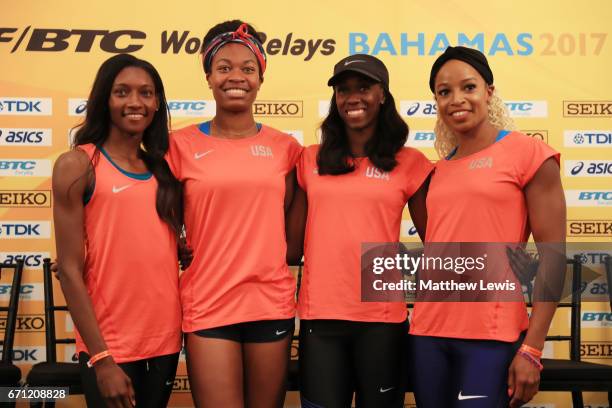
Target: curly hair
[499,117]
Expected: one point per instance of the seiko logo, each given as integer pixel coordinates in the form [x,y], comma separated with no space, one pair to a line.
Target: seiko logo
[25,198]
[261,151]
[589,228]
[587,108]
[482,163]
[181,384]
[26,323]
[376,173]
[278,108]
[596,350]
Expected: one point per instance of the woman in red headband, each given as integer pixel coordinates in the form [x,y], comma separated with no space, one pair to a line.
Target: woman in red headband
[238,176]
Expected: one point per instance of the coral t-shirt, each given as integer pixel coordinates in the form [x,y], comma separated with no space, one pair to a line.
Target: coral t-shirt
[480,198]
[234,193]
[344,211]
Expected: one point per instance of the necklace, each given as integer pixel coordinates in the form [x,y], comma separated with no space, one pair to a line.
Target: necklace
[218,131]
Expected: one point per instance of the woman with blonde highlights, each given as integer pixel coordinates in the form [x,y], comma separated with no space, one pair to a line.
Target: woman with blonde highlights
[492,185]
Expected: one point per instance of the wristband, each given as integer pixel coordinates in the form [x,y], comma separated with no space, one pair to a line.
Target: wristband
[534,361]
[531,350]
[97,357]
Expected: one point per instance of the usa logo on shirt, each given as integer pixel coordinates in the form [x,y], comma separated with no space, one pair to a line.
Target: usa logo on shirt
[375,173]
[261,151]
[483,163]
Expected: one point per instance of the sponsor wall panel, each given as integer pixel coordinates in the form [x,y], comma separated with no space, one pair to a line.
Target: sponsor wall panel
[52,60]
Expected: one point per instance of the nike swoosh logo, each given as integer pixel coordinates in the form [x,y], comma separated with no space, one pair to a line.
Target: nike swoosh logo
[350,62]
[169,382]
[469,397]
[120,189]
[385,389]
[198,156]
[278,333]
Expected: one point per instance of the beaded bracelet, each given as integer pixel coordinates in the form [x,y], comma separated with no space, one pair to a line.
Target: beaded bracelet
[534,361]
[97,357]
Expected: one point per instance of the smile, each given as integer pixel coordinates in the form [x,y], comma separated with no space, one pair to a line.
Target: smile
[235,91]
[459,114]
[355,112]
[134,116]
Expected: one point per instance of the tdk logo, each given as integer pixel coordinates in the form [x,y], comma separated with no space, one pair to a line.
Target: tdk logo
[588,168]
[587,138]
[183,108]
[32,260]
[25,106]
[77,106]
[527,109]
[25,168]
[421,138]
[25,229]
[585,198]
[29,355]
[418,109]
[25,137]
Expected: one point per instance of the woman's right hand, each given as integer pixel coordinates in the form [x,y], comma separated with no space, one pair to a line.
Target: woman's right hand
[114,384]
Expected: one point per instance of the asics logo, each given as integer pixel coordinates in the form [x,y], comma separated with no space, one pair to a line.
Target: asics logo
[383,390]
[198,156]
[120,189]
[469,397]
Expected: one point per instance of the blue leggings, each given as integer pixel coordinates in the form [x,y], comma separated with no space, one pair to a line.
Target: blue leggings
[458,373]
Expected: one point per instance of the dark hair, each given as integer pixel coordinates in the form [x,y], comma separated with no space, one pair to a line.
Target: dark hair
[230,26]
[155,140]
[389,137]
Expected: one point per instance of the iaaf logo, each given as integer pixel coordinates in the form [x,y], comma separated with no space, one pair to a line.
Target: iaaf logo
[26,323]
[421,138]
[592,319]
[588,198]
[29,291]
[25,137]
[25,168]
[25,229]
[588,168]
[31,260]
[587,138]
[28,355]
[297,135]
[520,109]
[188,108]
[77,106]
[25,106]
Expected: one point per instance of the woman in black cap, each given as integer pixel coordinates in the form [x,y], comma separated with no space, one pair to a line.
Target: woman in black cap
[491,185]
[357,183]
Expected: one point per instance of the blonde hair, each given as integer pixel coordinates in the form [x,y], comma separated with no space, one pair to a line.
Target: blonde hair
[499,117]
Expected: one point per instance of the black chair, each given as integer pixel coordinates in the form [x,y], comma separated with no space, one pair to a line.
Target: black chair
[10,374]
[574,375]
[52,373]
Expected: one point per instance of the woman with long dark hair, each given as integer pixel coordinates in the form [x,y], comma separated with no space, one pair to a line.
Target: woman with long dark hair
[238,176]
[117,216]
[355,185]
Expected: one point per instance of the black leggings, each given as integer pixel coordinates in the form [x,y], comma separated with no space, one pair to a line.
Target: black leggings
[339,357]
[152,380]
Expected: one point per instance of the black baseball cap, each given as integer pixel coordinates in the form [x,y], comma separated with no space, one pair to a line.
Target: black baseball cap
[363,64]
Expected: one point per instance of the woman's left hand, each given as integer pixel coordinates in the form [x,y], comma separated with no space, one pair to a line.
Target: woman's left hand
[523,381]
